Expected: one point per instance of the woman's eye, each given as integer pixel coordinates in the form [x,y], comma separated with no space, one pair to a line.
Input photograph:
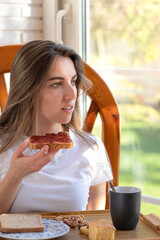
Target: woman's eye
[74,82]
[56,84]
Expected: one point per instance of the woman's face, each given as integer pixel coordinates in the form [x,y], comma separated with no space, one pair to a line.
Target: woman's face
[57,98]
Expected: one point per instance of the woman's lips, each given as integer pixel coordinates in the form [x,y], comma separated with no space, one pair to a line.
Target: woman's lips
[68,109]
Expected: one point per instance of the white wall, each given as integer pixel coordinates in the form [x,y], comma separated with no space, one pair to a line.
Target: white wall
[20,21]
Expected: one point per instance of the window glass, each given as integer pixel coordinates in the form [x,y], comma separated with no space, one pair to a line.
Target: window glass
[125,51]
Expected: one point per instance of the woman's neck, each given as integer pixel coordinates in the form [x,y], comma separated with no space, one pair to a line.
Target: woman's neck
[42,130]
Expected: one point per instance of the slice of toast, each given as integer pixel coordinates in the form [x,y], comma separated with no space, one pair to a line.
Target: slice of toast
[16,223]
[54,141]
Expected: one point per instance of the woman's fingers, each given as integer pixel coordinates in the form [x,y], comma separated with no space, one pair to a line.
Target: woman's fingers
[40,159]
[29,164]
[18,152]
[41,152]
[45,152]
[44,155]
[51,153]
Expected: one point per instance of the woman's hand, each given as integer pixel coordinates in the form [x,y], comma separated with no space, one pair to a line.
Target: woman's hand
[21,165]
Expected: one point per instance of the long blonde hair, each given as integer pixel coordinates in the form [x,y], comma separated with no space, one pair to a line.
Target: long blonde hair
[28,76]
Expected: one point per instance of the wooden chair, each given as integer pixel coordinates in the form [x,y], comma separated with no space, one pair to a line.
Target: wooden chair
[102,101]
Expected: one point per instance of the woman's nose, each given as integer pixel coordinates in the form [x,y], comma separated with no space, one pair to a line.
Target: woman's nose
[70,92]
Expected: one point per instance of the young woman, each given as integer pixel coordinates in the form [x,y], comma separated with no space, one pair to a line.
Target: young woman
[46,79]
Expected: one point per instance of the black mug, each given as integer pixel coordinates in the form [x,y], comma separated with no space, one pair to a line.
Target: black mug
[125,205]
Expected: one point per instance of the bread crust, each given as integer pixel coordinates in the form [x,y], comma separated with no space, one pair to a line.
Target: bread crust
[21,230]
[51,145]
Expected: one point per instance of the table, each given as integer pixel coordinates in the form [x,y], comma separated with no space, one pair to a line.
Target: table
[142,231]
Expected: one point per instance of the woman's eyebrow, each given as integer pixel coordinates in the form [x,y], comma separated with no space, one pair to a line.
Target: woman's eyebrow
[55,78]
[59,78]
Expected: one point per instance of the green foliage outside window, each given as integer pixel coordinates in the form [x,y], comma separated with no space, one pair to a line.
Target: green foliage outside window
[126,34]
[133,23]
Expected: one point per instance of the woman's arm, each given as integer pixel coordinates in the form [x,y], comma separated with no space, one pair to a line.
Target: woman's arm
[20,167]
[8,190]
[97,197]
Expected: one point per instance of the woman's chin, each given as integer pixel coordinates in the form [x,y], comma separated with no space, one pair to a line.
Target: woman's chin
[66,121]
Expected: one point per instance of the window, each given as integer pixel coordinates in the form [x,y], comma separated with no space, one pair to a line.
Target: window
[125,50]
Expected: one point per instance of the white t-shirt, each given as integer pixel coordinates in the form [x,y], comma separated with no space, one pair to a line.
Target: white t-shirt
[63,184]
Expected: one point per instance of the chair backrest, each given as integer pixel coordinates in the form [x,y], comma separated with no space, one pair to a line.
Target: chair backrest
[102,101]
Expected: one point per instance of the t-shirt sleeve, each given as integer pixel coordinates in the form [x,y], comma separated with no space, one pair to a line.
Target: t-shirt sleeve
[101,171]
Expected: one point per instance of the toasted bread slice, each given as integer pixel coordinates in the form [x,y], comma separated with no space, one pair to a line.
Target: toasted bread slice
[16,223]
[54,141]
